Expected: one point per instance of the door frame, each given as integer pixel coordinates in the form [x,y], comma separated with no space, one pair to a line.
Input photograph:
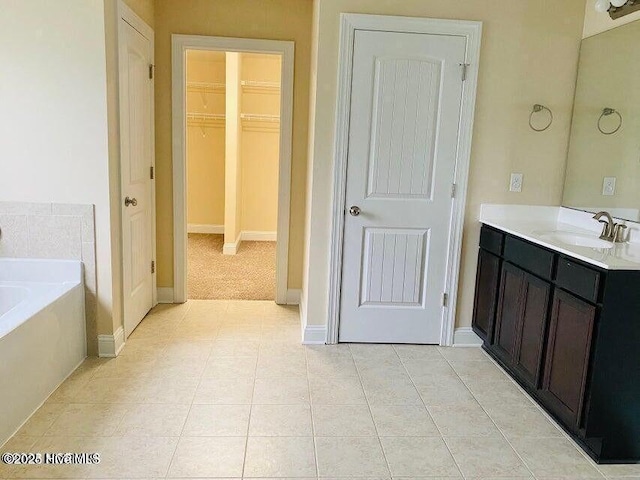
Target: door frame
[179,46]
[126,14]
[349,24]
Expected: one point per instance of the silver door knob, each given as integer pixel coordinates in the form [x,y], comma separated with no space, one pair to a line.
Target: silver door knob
[130,201]
[354,211]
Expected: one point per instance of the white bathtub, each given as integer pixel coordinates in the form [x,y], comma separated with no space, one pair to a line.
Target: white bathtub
[42,334]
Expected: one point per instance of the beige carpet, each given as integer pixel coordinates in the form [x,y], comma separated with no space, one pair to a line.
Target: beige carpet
[248,275]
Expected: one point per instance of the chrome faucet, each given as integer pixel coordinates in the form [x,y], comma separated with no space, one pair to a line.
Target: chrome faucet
[611,231]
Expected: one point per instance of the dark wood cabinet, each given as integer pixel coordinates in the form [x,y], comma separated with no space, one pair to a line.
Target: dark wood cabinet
[487,280]
[569,333]
[568,353]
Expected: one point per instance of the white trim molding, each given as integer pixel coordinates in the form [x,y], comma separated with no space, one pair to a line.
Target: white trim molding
[165,295]
[255,236]
[293,296]
[180,45]
[109,346]
[466,337]
[314,335]
[207,229]
[350,23]
[232,248]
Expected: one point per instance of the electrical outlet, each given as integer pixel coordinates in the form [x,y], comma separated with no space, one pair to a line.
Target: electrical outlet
[516,182]
[609,186]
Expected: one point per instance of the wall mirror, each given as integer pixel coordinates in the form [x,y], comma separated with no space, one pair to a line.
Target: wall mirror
[603,167]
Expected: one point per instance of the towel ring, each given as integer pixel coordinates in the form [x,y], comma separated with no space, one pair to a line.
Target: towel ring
[605,113]
[536,109]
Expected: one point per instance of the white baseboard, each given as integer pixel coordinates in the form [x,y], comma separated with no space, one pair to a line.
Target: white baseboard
[314,335]
[293,296]
[165,295]
[210,229]
[109,346]
[232,248]
[253,236]
[465,337]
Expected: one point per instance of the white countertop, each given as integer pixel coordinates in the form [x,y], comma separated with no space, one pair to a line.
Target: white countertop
[534,223]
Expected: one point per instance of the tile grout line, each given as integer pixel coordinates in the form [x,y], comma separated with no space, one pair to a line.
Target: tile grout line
[253,391]
[429,412]
[313,423]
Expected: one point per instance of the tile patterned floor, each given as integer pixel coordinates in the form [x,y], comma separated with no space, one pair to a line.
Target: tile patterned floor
[223,389]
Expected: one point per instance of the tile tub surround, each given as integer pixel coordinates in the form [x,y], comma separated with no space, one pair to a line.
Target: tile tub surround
[54,231]
[163,410]
[530,221]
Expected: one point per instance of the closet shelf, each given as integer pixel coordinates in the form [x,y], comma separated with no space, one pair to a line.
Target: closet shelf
[206,87]
[253,86]
[206,119]
[254,117]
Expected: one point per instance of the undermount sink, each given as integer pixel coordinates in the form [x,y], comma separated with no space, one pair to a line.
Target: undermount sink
[576,239]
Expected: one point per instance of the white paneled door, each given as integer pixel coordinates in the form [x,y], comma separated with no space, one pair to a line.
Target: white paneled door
[136,161]
[406,98]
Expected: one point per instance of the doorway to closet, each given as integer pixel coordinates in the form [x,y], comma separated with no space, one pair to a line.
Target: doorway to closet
[233,133]
[232,129]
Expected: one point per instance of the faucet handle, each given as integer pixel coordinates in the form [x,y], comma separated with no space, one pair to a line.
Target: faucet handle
[618,232]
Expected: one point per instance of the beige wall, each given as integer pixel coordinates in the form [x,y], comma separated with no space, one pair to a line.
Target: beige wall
[54,118]
[145,9]
[595,22]
[276,20]
[205,140]
[529,55]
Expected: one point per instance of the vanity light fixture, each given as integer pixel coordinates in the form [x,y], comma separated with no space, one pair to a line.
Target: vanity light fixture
[617,8]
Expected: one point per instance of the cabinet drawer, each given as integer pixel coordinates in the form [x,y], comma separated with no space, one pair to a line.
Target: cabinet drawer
[534,259]
[578,279]
[491,240]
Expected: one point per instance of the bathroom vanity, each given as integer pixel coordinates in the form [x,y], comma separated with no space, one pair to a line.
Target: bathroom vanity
[561,313]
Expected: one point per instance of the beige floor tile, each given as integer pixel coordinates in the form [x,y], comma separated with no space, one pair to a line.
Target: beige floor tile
[417,352]
[230,367]
[281,391]
[201,457]
[107,390]
[403,421]
[282,349]
[223,348]
[422,367]
[365,353]
[620,470]
[418,457]
[463,420]
[343,421]
[87,420]
[442,390]
[169,390]
[281,366]
[458,354]
[518,421]
[281,420]
[19,443]
[489,457]
[350,457]
[502,392]
[337,391]
[217,421]
[280,457]
[474,373]
[331,366]
[393,390]
[42,419]
[153,420]
[224,391]
[553,457]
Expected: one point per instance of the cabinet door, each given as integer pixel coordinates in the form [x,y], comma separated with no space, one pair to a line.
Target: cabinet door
[567,357]
[509,312]
[486,297]
[533,322]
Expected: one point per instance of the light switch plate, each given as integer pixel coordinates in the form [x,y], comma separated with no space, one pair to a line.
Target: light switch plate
[609,186]
[516,182]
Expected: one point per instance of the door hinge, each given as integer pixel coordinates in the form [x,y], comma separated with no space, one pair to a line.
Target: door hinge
[464,66]
[445,299]
[151,68]
[153,266]
[152,173]
[453,190]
